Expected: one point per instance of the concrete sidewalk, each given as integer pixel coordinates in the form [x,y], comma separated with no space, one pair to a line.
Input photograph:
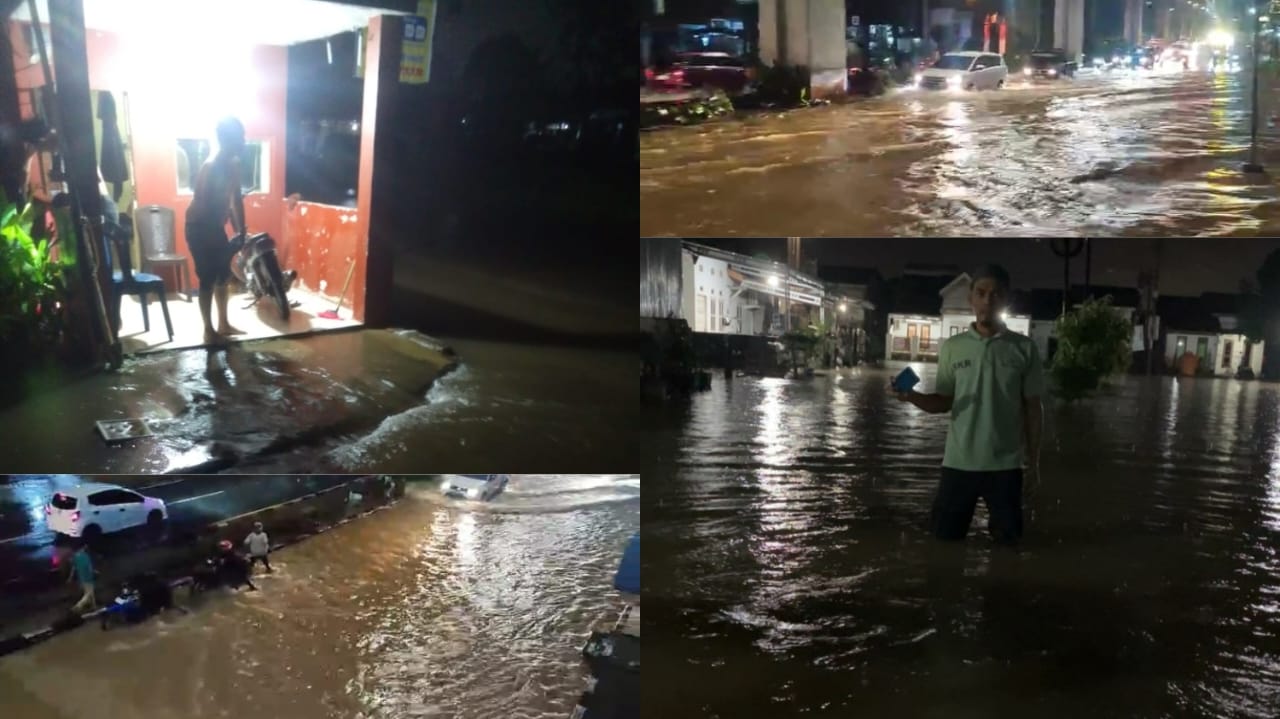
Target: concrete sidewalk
[209,411]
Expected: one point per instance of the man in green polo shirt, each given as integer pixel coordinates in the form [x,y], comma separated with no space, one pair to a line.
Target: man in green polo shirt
[990,381]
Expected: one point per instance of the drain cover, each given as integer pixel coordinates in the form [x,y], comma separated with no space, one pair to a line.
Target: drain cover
[122,430]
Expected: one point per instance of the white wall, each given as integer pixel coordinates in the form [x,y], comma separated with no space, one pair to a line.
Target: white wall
[686,286]
[713,298]
[1238,348]
[898,328]
[1171,355]
[1041,332]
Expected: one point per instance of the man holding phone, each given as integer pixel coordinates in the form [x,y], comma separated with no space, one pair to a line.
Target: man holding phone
[990,380]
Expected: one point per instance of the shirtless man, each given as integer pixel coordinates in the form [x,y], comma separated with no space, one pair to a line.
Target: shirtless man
[217,200]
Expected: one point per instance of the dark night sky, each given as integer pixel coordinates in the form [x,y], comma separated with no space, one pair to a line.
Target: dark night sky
[1188,267]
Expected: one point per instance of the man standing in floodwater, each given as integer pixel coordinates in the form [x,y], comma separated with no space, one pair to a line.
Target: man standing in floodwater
[990,380]
[217,200]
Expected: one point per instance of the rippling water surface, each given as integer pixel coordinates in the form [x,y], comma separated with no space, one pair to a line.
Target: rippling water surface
[430,609]
[1125,154]
[789,573]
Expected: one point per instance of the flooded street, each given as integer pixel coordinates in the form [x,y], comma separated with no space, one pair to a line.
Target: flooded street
[1129,154]
[789,572]
[433,608]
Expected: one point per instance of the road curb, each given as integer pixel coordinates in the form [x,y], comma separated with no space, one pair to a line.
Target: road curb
[26,640]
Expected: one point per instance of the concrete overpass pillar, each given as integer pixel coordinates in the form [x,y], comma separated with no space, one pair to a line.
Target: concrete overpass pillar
[809,33]
[1068,26]
[1133,21]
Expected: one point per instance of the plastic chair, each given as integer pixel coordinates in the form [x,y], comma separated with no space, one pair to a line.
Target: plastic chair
[156,230]
[124,281]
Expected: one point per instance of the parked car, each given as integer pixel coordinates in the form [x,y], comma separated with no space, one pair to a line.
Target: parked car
[965,71]
[92,509]
[483,487]
[718,70]
[1049,65]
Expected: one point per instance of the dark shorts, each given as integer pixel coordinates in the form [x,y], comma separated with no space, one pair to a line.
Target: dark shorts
[958,493]
[211,252]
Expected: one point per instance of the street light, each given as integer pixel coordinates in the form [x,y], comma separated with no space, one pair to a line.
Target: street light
[773,280]
[843,307]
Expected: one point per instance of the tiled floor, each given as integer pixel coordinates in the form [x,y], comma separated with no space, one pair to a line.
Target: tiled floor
[259,321]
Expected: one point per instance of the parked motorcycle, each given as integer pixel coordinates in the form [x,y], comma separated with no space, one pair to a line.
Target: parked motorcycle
[258,267]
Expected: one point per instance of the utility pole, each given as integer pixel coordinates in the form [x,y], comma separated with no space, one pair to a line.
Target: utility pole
[1066,249]
[1253,166]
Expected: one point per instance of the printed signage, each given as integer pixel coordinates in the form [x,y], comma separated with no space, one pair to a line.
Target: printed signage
[415,60]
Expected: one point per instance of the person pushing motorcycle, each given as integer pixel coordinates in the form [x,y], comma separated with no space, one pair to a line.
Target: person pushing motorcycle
[216,201]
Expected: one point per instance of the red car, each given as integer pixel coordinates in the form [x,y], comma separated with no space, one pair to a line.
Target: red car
[703,69]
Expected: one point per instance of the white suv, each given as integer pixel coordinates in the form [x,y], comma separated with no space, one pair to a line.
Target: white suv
[92,509]
[474,486]
[965,71]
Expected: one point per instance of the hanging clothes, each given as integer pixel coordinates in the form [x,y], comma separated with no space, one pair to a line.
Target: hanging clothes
[114,168]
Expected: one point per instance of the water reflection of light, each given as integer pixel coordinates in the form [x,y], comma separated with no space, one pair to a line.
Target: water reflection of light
[771,439]
[467,540]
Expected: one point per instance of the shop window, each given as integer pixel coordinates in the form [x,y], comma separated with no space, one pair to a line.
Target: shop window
[191,154]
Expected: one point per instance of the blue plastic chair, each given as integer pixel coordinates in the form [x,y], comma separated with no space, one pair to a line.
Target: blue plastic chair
[117,239]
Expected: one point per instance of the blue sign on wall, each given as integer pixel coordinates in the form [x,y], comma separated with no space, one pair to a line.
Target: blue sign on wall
[415,28]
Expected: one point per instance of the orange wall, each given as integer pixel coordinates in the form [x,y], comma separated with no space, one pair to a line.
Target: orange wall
[317,240]
[322,242]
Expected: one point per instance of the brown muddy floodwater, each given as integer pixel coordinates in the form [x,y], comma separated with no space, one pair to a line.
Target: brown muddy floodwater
[430,609]
[1130,154]
[788,573]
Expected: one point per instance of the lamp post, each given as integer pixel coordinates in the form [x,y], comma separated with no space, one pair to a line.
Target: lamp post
[1253,166]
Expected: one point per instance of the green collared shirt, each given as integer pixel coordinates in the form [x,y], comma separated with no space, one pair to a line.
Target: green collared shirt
[987,377]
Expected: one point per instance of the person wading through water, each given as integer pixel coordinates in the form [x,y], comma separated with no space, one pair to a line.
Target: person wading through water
[990,381]
[217,200]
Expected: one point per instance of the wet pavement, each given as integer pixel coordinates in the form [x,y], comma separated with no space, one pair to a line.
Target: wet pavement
[430,608]
[788,572]
[347,402]
[27,546]
[1124,154]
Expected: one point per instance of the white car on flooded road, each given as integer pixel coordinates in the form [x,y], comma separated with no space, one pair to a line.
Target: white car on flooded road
[483,487]
[965,71]
[92,509]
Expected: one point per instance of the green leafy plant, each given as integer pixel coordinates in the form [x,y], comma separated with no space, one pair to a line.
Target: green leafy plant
[782,85]
[1093,344]
[32,285]
[801,345]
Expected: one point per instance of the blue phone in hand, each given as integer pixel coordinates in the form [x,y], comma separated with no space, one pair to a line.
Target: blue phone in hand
[906,380]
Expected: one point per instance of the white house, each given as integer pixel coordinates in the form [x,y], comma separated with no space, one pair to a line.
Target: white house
[1226,353]
[915,336]
[727,293]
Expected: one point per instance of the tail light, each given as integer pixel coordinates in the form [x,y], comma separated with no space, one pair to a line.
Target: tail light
[677,75]
[75,516]
[648,74]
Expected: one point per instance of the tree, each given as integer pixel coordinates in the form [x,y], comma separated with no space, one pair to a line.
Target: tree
[1260,313]
[1093,344]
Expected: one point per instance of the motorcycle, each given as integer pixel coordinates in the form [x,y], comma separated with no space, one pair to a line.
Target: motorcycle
[258,267]
[230,571]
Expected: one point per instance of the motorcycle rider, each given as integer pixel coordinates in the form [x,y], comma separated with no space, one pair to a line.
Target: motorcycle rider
[233,569]
[217,200]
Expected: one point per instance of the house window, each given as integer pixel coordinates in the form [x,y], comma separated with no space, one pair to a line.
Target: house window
[700,314]
[1202,348]
[1227,346]
[191,155]
[1180,347]
[912,330]
[955,330]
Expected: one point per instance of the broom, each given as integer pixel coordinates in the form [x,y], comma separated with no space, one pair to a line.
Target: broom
[333,313]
